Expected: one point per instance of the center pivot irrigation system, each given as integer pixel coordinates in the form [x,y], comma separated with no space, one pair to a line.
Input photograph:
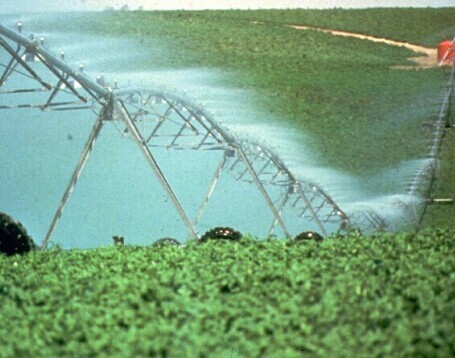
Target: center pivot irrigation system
[157,118]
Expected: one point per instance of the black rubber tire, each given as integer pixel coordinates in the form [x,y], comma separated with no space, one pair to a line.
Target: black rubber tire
[166,241]
[308,236]
[221,233]
[13,237]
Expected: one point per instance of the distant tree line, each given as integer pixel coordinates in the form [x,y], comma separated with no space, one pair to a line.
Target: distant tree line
[123,8]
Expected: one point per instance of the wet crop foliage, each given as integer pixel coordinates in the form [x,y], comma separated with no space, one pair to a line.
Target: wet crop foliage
[387,295]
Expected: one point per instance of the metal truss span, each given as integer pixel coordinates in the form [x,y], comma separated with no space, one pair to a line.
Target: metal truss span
[368,221]
[33,77]
[161,119]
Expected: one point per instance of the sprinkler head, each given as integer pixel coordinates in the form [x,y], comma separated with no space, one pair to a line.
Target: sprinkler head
[292,189]
[100,80]
[230,153]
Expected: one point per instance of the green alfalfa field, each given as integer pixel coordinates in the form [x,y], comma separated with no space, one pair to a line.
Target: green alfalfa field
[390,295]
[383,295]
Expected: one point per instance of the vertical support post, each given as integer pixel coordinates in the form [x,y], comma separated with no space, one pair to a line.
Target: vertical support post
[261,188]
[120,107]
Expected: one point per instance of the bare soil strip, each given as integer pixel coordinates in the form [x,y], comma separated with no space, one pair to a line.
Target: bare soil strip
[428,60]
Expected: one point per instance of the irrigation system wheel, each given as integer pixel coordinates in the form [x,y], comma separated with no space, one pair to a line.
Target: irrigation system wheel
[13,237]
[221,233]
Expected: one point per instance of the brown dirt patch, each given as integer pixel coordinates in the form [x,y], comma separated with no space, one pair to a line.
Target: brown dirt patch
[427,59]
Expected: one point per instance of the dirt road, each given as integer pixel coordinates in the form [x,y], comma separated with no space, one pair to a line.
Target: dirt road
[427,60]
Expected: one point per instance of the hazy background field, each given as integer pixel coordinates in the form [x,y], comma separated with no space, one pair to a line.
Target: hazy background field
[84,5]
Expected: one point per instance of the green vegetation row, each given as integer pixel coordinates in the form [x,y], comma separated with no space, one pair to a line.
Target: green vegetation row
[426,27]
[388,295]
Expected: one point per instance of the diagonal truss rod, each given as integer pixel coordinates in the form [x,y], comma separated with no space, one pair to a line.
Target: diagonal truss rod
[313,213]
[121,109]
[280,209]
[212,186]
[62,78]
[261,188]
[158,126]
[51,59]
[185,120]
[77,172]
[10,67]
[23,63]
